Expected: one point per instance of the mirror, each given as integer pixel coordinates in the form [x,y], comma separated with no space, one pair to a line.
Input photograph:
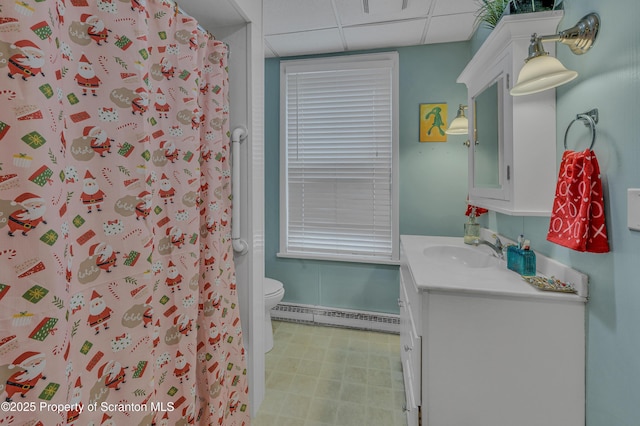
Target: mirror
[486,154]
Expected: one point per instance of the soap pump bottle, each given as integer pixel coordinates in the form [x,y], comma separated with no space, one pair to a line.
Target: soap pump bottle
[472,229]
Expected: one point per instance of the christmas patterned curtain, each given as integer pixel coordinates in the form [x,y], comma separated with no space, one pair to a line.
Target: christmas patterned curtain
[118,300]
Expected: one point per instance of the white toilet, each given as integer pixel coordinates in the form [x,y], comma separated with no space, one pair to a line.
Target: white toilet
[273,294]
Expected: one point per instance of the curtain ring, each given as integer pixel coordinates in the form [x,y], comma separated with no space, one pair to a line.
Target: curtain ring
[590,119]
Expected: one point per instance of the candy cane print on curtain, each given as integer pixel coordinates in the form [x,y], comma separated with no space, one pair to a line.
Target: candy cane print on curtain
[118,301]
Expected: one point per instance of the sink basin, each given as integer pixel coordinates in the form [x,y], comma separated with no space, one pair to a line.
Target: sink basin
[460,256]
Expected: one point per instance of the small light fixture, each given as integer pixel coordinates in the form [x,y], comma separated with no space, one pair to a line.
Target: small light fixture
[460,124]
[541,71]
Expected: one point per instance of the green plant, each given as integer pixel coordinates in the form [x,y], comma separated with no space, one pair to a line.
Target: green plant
[526,6]
[491,11]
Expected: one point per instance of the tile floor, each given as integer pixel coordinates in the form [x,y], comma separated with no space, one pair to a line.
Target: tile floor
[320,376]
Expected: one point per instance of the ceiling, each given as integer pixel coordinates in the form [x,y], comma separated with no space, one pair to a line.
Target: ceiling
[212,14]
[301,27]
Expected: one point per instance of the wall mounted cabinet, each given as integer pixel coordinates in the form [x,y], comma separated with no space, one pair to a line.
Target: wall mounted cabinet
[512,150]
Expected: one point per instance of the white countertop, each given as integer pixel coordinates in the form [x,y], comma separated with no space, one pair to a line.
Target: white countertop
[430,275]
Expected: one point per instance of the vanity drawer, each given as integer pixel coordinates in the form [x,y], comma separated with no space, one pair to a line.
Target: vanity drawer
[410,355]
[412,297]
[406,330]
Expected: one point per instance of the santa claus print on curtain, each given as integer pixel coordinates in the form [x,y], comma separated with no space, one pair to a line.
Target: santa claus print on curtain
[25,61]
[28,214]
[86,77]
[117,284]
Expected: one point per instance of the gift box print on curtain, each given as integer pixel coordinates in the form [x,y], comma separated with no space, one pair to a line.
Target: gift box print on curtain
[117,283]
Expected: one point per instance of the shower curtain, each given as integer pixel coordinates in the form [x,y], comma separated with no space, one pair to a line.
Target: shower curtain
[118,301]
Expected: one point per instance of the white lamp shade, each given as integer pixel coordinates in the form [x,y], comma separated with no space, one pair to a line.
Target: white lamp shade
[541,73]
[459,126]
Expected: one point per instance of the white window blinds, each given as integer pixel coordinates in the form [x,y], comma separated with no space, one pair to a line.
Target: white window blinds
[339,145]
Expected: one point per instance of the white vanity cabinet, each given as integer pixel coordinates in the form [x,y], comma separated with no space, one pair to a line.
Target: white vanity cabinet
[483,352]
[512,149]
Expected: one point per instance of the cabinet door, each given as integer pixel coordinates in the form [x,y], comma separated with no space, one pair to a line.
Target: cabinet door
[411,407]
[489,171]
[410,350]
[411,366]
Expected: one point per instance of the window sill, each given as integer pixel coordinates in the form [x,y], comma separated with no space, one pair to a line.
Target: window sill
[338,258]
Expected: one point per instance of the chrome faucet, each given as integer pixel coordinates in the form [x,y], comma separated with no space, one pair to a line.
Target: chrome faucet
[497,246]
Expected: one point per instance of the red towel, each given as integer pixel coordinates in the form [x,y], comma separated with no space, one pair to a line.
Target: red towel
[577,219]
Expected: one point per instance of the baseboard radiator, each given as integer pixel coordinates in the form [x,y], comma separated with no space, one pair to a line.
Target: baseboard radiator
[320,315]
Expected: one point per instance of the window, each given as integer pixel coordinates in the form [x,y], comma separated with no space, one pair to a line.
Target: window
[339,149]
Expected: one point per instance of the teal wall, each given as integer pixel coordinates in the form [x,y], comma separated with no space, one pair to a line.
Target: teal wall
[610,81]
[433,185]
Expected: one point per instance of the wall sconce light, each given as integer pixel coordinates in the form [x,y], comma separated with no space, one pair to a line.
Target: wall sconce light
[460,124]
[541,71]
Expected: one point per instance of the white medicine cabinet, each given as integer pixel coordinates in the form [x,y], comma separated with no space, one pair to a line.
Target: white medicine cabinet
[512,140]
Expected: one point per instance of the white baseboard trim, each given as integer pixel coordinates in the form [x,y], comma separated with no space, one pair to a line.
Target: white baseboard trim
[362,320]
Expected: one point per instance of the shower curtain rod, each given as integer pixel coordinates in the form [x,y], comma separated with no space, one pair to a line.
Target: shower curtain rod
[178,9]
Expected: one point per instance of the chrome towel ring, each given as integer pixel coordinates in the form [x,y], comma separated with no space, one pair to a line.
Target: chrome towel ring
[589,118]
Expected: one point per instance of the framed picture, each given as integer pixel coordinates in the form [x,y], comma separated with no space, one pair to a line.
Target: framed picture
[433,122]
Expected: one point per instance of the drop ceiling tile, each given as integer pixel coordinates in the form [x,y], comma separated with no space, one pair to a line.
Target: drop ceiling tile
[285,16]
[305,43]
[405,33]
[450,7]
[299,27]
[352,11]
[450,28]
